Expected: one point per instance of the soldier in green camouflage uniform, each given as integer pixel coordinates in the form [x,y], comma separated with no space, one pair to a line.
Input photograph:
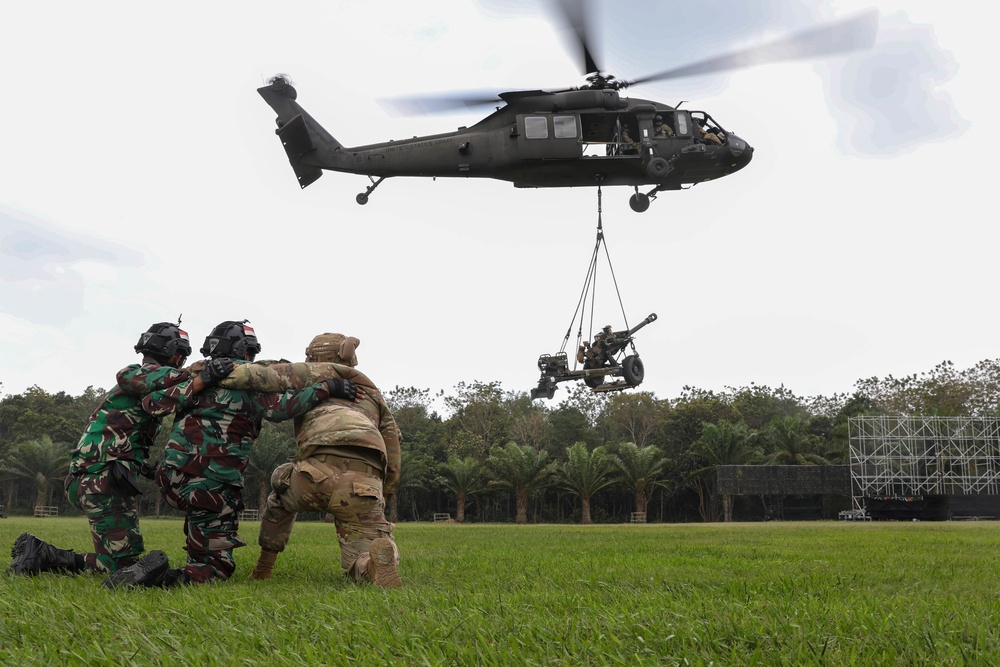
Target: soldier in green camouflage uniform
[113,450]
[347,464]
[202,469]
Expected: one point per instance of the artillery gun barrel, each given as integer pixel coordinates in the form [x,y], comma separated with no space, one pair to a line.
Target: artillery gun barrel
[651,318]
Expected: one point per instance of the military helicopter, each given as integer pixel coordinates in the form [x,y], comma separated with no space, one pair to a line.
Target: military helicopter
[591,135]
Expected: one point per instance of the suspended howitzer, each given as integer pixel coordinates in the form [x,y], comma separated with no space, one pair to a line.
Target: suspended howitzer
[599,361]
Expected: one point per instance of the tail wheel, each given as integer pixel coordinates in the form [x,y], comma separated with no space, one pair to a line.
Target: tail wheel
[639,202]
[632,370]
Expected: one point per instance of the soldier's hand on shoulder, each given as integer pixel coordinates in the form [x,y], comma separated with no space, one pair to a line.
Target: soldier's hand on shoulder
[340,388]
[216,370]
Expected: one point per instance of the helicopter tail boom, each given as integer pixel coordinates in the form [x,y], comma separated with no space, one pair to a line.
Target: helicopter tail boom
[307,144]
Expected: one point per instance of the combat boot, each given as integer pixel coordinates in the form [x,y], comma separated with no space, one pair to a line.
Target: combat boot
[31,555]
[177,576]
[382,569]
[147,571]
[265,564]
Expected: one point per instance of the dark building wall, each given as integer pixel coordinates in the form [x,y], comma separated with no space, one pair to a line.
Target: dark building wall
[784,480]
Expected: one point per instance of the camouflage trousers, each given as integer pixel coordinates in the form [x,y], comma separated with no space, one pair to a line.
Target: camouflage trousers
[114,522]
[348,489]
[211,522]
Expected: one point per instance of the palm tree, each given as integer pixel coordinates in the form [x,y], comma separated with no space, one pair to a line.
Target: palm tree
[415,470]
[41,461]
[522,470]
[584,474]
[722,443]
[463,477]
[790,444]
[640,470]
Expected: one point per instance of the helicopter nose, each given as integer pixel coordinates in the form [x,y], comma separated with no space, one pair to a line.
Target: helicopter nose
[741,151]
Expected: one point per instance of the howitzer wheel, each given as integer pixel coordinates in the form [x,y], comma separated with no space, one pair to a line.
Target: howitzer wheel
[632,370]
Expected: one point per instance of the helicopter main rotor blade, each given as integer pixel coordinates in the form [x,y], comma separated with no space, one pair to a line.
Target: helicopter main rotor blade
[428,104]
[850,34]
[574,13]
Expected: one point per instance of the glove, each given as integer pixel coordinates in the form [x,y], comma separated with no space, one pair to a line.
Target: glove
[148,469]
[340,388]
[215,371]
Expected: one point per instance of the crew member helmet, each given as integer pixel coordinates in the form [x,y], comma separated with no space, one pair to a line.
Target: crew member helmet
[333,347]
[164,340]
[233,340]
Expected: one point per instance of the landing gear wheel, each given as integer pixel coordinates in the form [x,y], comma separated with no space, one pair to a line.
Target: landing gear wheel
[658,168]
[362,198]
[639,202]
[632,370]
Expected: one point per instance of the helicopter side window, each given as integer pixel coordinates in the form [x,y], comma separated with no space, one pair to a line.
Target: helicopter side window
[683,127]
[536,127]
[564,127]
[663,125]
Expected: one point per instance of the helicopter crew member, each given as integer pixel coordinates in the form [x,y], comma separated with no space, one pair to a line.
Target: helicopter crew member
[347,464]
[202,469]
[660,129]
[629,146]
[114,448]
[706,133]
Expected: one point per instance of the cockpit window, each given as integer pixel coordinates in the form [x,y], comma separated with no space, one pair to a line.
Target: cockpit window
[707,131]
[535,127]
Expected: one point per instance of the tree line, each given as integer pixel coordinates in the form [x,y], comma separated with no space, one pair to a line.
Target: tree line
[481,453]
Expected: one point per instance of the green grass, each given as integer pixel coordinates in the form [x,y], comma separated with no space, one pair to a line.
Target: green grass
[742,594]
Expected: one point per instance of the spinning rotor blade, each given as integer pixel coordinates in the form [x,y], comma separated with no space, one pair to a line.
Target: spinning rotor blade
[848,35]
[574,12]
[426,104]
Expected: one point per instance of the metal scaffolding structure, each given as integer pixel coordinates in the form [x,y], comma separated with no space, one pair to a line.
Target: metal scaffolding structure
[900,457]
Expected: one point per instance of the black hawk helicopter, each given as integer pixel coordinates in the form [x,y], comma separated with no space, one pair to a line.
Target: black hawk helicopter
[586,136]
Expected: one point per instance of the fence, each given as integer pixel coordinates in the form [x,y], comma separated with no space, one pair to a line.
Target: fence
[46,510]
[250,515]
[442,516]
[637,517]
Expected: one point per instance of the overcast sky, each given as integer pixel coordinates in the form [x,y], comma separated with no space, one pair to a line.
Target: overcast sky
[140,178]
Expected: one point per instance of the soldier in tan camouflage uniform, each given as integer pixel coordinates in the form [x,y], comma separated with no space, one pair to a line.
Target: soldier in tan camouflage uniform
[347,465]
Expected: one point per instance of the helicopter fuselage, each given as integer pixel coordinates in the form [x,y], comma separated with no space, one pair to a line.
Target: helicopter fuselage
[536,140]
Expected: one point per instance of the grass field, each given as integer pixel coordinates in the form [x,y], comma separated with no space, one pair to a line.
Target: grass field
[739,594]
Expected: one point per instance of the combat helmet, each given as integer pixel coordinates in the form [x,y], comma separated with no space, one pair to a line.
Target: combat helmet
[334,347]
[164,340]
[233,340]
